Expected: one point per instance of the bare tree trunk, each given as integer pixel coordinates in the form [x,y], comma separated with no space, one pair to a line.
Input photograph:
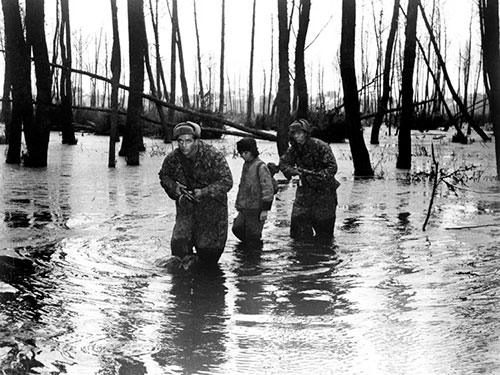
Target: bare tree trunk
[54,77]
[35,35]
[152,87]
[360,156]
[491,52]
[300,69]
[116,72]
[386,87]
[173,60]
[407,113]
[222,55]
[68,130]
[272,70]
[283,94]
[17,52]
[132,141]
[6,114]
[184,87]
[198,55]
[250,99]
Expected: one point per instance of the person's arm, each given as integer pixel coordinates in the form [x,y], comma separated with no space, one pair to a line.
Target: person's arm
[287,164]
[223,181]
[166,178]
[266,187]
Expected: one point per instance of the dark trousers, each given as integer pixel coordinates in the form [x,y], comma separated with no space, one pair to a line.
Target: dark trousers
[247,226]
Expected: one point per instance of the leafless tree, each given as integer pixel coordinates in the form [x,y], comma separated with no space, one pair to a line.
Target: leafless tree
[300,70]
[132,141]
[359,152]
[18,58]
[66,118]
[222,55]
[408,109]
[250,98]
[491,53]
[386,86]
[35,35]
[283,96]
[115,79]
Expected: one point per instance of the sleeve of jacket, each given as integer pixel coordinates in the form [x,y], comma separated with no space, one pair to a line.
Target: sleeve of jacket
[266,187]
[329,162]
[223,179]
[166,177]
[325,174]
[287,163]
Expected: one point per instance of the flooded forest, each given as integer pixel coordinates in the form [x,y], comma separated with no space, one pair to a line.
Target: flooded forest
[406,93]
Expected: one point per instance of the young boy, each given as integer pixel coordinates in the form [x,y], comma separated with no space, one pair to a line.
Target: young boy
[255,193]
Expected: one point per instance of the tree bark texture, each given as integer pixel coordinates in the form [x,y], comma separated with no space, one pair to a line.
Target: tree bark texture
[137,36]
[66,118]
[359,152]
[283,94]
[35,35]
[491,53]
[300,69]
[18,57]
[115,80]
[408,110]
[222,53]
[250,98]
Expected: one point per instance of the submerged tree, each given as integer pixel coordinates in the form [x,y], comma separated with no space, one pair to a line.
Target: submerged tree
[407,113]
[132,141]
[18,58]
[35,35]
[386,86]
[115,79]
[491,52]
[300,69]
[283,94]
[360,156]
[66,118]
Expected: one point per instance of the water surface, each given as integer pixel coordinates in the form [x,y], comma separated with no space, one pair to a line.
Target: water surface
[80,292]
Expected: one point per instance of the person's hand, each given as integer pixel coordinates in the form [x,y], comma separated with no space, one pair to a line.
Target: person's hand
[263,215]
[197,194]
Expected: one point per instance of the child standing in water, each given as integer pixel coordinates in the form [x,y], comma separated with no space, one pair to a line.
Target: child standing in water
[255,193]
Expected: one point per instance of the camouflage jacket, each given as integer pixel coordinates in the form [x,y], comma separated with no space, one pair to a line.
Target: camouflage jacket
[207,170]
[314,156]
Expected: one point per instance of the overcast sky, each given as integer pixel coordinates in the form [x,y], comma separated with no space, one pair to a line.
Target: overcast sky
[90,16]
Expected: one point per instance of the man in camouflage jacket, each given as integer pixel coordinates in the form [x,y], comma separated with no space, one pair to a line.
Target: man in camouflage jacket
[197,177]
[311,159]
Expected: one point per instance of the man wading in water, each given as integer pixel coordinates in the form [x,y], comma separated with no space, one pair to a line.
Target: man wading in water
[197,177]
[313,212]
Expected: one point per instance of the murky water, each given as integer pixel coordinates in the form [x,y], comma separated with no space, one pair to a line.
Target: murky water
[80,292]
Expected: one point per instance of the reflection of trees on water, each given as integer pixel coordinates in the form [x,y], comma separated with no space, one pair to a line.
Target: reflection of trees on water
[194,332]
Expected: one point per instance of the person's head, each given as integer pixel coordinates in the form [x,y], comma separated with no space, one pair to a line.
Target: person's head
[247,148]
[299,130]
[187,134]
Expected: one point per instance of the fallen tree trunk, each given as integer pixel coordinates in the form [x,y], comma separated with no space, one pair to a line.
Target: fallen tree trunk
[258,133]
